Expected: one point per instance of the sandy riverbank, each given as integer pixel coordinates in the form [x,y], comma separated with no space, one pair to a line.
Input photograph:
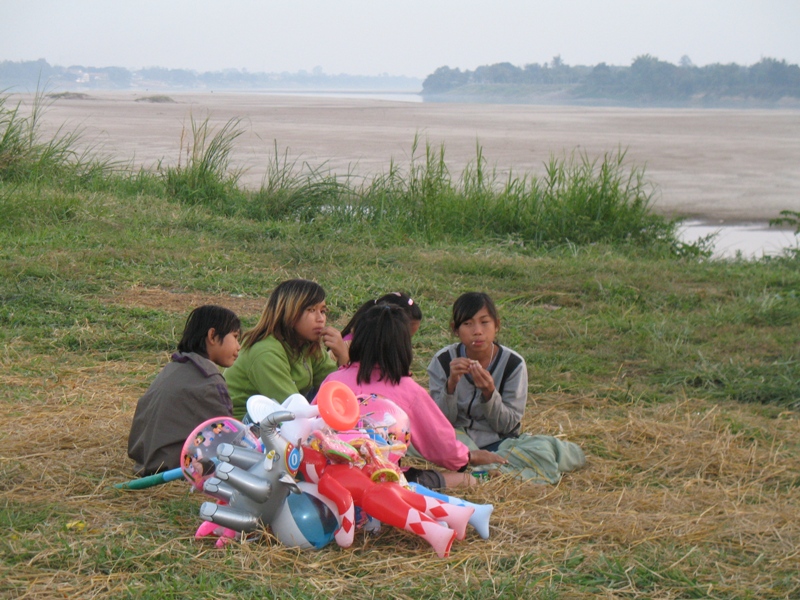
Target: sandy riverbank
[721,165]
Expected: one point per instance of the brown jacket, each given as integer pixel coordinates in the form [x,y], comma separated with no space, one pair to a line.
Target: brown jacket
[187,392]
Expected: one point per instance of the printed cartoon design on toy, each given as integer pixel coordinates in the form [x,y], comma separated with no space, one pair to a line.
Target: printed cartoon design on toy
[199,453]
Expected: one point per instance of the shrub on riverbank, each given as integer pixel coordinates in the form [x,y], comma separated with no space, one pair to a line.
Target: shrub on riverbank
[579,200]
[26,158]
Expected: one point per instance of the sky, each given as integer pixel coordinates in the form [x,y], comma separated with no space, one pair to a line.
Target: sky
[408,37]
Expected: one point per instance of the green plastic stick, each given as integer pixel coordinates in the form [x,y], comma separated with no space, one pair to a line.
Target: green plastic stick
[150,480]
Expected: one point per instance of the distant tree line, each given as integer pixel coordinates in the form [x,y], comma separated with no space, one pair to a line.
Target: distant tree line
[647,80]
[32,75]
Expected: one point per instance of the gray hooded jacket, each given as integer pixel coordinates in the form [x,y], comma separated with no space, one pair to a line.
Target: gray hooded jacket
[485,421]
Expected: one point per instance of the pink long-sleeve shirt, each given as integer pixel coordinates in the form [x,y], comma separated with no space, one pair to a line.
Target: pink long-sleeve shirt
[431,433]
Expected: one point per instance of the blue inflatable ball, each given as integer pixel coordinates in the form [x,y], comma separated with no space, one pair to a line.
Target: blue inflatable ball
[306,520]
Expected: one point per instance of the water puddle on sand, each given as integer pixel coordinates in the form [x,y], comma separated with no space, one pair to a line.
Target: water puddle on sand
[752,240]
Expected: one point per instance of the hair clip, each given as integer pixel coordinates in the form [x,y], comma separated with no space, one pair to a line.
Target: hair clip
[400,295]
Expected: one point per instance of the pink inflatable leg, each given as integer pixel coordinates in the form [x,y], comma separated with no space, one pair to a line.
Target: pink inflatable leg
[456,517]
[387,502]
[386,505]
[439,537]
[479,519]
[223,534]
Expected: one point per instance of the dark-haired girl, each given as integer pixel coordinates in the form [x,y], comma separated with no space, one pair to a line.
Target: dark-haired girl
[286,352]
[189,390]
[480,386]
[404,301]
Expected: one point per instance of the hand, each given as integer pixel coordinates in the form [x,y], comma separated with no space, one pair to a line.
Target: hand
[332,338]
[482,379]
[250,486]
[484,457]
[458,368]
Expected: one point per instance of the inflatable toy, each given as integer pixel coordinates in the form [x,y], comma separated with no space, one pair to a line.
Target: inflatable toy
[388,502]
[335,406]
[384,422]
[257,488]
[479,519]
[199,454]
[244,481]
[376,466]
[385,417]
[141,483]
[252,485]
[223,534]
[306,520]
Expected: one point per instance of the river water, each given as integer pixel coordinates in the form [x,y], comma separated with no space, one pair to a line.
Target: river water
[749,241]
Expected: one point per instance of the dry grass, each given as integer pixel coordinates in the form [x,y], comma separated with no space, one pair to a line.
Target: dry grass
[177,302]
[709,490]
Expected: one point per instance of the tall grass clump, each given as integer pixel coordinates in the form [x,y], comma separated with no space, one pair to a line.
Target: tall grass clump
[206,178]
[292,192]
[585,201]
[578,200]
[419,203]
[27,158]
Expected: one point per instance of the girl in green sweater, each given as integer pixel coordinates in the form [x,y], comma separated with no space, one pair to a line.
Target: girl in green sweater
[286,352]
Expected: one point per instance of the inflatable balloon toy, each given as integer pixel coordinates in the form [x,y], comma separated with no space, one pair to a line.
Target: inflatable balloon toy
[251,487]
[141,483]
[362,452]
[199,453]
[389,502]
[479,519]
[383,421]
[297,430]
[335,406]
[306,520]
[338,405]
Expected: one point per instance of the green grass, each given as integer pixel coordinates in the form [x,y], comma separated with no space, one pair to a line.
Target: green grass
[26,157]
[726,328]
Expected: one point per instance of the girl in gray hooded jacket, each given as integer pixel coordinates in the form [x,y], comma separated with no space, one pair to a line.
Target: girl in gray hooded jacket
[479,385]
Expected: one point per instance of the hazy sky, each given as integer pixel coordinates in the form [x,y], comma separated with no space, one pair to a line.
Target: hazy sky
[402,37]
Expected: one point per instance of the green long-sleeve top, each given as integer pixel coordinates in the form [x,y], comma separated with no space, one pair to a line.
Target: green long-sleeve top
[265,368]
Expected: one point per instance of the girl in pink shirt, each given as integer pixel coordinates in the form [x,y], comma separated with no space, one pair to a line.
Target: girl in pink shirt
[380,355]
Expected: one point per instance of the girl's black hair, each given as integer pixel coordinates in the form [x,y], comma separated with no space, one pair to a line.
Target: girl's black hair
[382,340]
[203,318]
[404,301]
[467,305]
